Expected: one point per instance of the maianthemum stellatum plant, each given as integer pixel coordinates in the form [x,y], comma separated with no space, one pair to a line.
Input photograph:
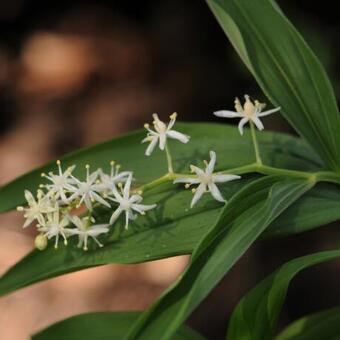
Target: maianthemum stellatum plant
[253,185]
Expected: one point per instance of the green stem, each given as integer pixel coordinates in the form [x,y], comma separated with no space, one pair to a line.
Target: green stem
[255,143]
[169,159]
[319,176]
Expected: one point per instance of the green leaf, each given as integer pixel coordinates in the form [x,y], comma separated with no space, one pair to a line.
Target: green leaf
[241,222]
[175,232]
[101,326]
[255,316]
[286,69]
[323,325]
[277,149]
[174,229]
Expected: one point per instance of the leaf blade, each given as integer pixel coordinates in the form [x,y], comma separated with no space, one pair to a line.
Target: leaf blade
[286,69]
[103,326]
[218,251]
[255,316]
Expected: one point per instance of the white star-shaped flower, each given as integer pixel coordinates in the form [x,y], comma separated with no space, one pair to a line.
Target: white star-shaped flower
[161,133]
[108,182]
[84,230]
[61,183]
[128,204]
[54,227]
[249,112]
[206,180]
[36,207]
[87,191]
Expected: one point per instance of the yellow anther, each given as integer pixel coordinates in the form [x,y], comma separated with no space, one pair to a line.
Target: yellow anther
[205,162]
[140,192]
[120,185]
[193,190]
[41,186]
[192,168]
[65,242]
[20,208]
[146,125]
[173,116]
[187,186]
[87,166]
[142,213]
[112,163]
[58,162]
[42,174]
[118,166]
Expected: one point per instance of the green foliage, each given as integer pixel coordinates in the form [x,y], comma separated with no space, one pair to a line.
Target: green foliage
[323,325]
[292,199]
[243,219]
[286,69]
[256,315]
[174,229]
[102,326]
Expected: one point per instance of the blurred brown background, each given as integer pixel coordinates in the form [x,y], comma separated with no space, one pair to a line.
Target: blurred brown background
[79,73]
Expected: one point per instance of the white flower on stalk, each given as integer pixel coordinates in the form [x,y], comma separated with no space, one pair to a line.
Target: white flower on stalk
[249,112]
[206,180]
[61,183]
[54,227]
[161,133]
[87,191]
[36,207]
[128,204]
[108,182]
[84,230]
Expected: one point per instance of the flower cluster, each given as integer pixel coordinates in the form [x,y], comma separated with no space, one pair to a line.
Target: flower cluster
[56,202]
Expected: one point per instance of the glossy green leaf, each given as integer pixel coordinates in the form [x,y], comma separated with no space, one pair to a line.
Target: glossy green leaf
[173,229]
[241,222]
[155,239]
[101,326]
[286,69]
[324,325]
[255,317]
[232,151]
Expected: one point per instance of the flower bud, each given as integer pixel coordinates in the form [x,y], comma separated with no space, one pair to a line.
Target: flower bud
[40,242]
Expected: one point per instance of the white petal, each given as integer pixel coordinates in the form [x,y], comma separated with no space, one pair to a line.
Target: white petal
[224,178]
[136,199]
[28,221]
[29,198]
[115,215]
[100,199]
[197,170]
[76,221]
[268,112]
[227,114]
[211,165]
[97,230]
[88,202]
[162,140]
[142,207]
[187,180]
[198,194]
[241,124]
[178,135]
[215,192]
[258,123]
[151,146]
[126,190]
